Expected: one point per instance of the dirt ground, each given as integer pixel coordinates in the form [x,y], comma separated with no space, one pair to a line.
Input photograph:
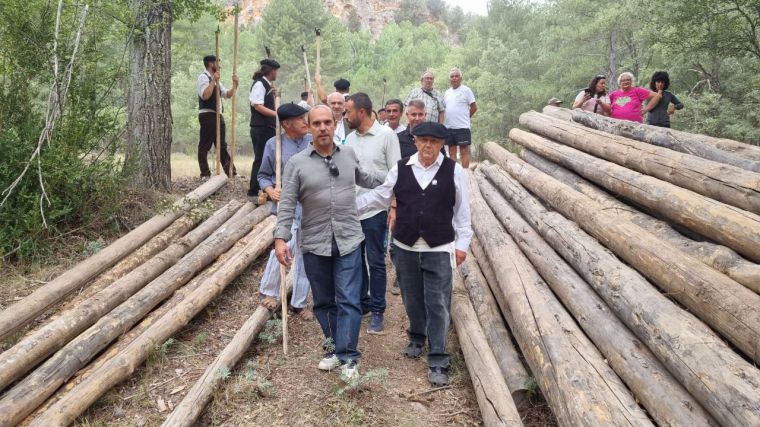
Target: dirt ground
[267,388]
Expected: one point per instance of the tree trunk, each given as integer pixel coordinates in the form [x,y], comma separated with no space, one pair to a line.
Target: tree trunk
[491,391]
[724,183]
[66,410]
[40,384]
[613,60]
[578,384]
[28,352]
[659,392]
[187,412]
[716,256]
[719,150]
[558,112]
[725,384]
[149,114]
[496,333]
[735,228]
[20,313]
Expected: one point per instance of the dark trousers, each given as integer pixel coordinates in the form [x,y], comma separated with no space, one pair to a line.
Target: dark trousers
[259,136]
[335,287]
[208,140]
[425,279]
[373,262]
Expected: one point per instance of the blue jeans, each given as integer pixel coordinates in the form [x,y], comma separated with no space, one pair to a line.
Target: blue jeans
[373,256]
[425,279]
[335,285]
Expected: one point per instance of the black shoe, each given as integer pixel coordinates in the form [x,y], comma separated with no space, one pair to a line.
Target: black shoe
[413,350]
[438,377]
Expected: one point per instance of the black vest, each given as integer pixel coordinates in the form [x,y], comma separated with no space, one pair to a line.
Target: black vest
[210,103]
[258,119]
[425,213]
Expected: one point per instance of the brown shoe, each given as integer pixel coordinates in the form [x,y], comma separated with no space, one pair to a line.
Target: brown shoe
[262,198]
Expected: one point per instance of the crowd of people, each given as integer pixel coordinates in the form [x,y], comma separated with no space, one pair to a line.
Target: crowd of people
[350,176]
[629,102]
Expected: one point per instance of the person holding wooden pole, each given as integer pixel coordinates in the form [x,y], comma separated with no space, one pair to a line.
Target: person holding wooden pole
[208,85]
[323,178]
[296,138]
[263,119]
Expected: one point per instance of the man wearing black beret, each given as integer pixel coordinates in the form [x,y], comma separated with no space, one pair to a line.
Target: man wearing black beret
[295,138]
[431,235]
[262,118]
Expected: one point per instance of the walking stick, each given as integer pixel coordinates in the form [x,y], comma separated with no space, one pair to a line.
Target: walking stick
[218,111]
[278,187]
[306,64]
[234,104]
[384,82]
[319,49]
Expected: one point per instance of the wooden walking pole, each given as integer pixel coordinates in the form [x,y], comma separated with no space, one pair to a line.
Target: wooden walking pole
[230,173]
[318,32]
[278,187]
[218,111]
[306,64]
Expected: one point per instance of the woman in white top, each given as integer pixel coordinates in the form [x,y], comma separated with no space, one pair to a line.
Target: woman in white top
[594,98]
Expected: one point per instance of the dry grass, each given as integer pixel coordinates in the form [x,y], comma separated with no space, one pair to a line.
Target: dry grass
[184,165]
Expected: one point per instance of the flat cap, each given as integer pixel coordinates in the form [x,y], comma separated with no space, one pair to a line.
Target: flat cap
[436,130]
[290,110]
[554,101]
[342,84]
[270,62]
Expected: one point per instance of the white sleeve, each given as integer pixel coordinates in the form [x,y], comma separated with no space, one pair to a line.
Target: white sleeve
[257,94]
[580,95]
[379,197]
[202,84]
[462,224]
[222,90]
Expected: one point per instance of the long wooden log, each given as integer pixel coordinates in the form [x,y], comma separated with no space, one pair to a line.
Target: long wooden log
[658,391]
[558,112]
[491,391]
[20,400]
[65,411]
[723,382]
[28,352]
[578,384]
[187,412]
[495,331]
[125,340]
[730,152]
[716,256]
[20,313]
[725,183]
[730,226]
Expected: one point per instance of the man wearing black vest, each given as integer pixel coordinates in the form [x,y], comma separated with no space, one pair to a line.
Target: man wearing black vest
[430,238]
[206,91]
[263,118]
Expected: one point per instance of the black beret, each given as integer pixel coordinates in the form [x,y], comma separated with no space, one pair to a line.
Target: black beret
[342,84]
[290,110]
[271,62]
[436,130]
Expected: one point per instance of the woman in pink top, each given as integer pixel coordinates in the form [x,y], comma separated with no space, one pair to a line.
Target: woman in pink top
[627,101]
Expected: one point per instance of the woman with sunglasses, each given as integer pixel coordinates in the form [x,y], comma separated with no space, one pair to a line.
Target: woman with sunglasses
[627,101]
[594,98]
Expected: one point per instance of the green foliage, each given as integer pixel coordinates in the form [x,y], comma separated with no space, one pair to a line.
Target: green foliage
[272,331]
[412,11]
[373,376]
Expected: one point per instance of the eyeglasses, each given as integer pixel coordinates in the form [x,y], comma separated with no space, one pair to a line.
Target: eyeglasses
[334,171]
[600,76]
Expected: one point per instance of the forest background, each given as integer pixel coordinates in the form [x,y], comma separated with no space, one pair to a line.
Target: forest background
[515,58]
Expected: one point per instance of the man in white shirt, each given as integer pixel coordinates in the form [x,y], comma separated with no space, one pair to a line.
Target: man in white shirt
[431,235]
[378,150]
[460,107]
[263,119]
[207,104]
[337,104]
[394,108]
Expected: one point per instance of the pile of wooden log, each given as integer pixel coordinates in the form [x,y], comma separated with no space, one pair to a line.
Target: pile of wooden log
[624,261]
[135,294]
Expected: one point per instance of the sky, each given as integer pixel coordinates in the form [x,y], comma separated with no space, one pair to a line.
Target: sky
[477,7]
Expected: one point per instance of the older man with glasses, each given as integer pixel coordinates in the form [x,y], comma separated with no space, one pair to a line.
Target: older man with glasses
[323,179]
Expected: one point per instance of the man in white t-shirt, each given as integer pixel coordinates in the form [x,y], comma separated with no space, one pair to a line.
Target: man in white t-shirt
[460,107]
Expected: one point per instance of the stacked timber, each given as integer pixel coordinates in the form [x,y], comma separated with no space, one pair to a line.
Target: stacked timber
[153,283]
[624,261]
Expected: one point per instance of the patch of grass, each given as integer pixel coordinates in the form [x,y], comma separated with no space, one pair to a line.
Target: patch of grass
[532,386]
[361,381]
[272,330]
[184,165]
[201,338]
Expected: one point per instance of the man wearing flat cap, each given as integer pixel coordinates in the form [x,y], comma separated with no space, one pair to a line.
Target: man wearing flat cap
[262,119]
[430,237]
[295,138]
[207,104]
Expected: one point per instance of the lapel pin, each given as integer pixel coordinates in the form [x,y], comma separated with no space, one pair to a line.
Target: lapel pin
[435,182]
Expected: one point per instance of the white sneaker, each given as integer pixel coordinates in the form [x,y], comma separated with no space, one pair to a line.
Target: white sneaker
[329,363]
[349,372]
